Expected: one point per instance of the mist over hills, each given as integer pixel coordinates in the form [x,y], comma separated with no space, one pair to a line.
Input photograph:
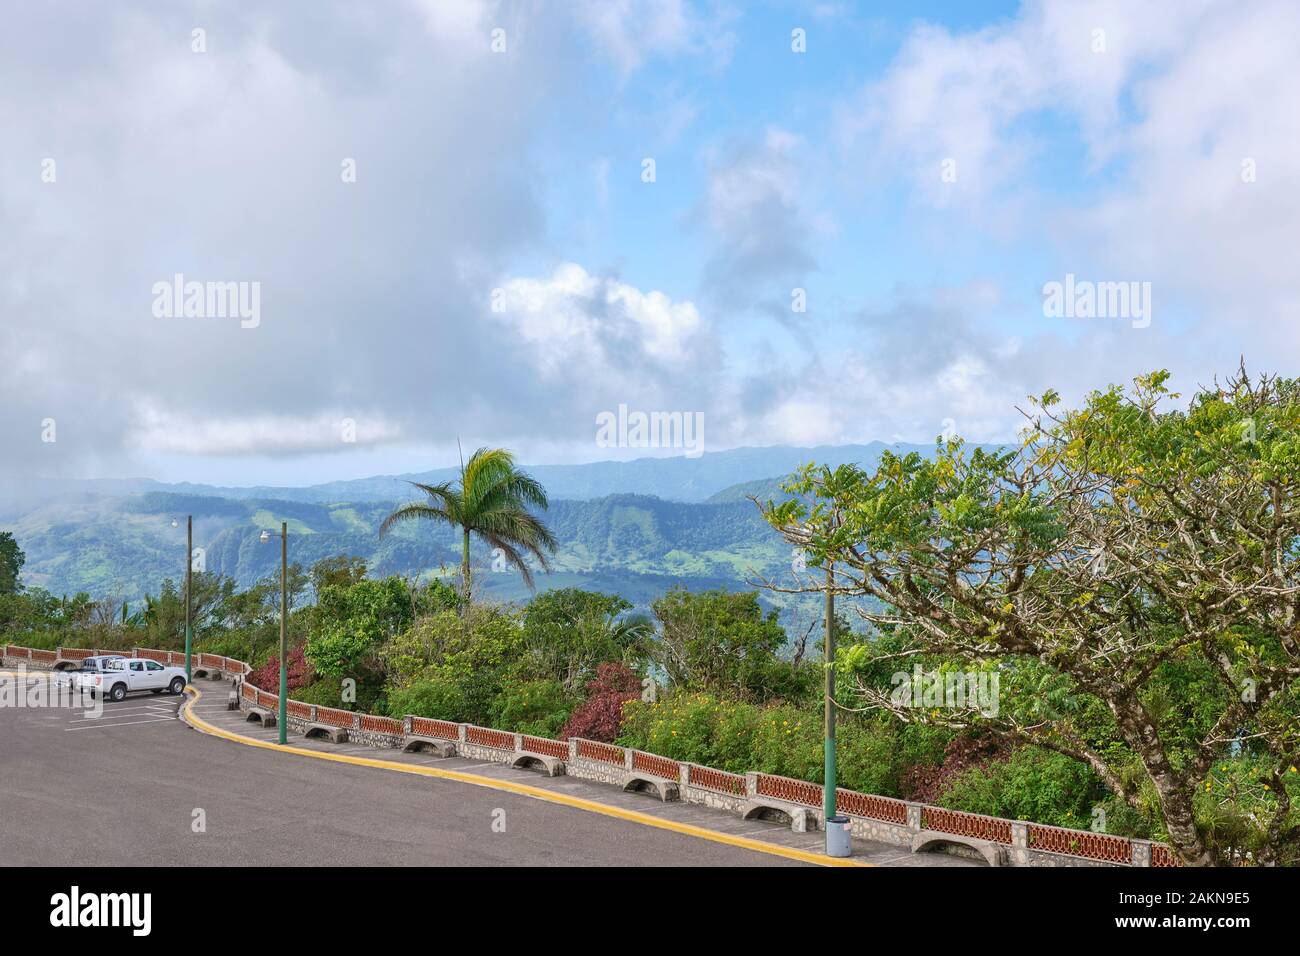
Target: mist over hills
[635,528]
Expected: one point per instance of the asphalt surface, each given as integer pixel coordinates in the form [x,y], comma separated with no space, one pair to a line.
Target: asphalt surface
[131,787]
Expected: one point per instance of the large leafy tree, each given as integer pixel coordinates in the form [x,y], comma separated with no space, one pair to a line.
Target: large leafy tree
[493,501]
[722,641]
[11,563]
[1131,572]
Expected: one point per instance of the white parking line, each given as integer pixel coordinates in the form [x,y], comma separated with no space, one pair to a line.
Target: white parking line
[107,714]
[128,723]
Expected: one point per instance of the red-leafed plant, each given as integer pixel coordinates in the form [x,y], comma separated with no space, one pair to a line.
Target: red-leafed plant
[301,672]
[601,715]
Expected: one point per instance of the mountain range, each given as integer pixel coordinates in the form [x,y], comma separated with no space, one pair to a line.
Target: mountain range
[634,528]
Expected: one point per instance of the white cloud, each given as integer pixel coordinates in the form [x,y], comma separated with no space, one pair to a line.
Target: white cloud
[574,321]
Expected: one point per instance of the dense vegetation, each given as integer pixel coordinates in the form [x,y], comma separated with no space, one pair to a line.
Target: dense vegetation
[1128,575]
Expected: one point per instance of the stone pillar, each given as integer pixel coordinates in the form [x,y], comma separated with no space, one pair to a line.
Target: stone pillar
[684,774]
[1141,852]
[627,758]
[313,713]
[519,742]
[914,817]
[1019,843]
[460,732]
[406,725]
[573,748]
[751,784]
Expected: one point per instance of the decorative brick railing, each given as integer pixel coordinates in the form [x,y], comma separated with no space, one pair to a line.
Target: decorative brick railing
[1161,855]
[871,806]
[966,824]
[719,781]
[790,790]
[335,717]
[542,745]
[653,763]
[603,753]
[1093,846]
[486,737]
[1026,837]
[430,727]
[382,725]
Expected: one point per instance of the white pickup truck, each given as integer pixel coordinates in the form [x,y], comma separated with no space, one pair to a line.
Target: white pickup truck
[90,666]
[123,675]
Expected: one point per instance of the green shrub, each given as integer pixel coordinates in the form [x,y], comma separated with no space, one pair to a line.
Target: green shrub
[538,707]
[1031,784]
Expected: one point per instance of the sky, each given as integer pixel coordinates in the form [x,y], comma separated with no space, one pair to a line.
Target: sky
[797,222]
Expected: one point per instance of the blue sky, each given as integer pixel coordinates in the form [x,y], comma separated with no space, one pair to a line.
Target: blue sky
[497,272]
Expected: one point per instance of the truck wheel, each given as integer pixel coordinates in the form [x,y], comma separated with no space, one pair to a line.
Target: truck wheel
[118,693]
[178,686]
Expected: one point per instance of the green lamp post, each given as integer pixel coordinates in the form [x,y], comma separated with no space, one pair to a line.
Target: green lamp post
[284,625]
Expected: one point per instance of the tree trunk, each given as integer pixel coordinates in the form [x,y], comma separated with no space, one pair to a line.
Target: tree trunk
[464,571]
[1180,821]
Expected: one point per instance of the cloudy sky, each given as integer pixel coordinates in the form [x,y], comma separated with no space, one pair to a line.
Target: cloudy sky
[493,221]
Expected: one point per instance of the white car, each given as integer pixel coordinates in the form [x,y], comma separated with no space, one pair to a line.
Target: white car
[123,676]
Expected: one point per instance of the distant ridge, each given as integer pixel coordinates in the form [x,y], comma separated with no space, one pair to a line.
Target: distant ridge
[673,479]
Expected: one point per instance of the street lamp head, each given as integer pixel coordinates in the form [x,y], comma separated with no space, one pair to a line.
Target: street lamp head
[175,523]
[265,537]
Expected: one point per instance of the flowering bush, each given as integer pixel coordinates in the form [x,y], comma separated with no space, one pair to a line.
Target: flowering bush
[301,672]
[601,716]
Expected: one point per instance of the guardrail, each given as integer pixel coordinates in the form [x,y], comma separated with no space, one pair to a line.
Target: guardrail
[871,816]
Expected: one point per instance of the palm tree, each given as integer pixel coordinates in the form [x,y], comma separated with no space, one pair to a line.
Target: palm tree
[491,500]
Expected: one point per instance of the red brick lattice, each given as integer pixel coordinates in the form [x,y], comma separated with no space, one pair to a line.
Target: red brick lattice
[249,692]
[48,657]
[719,781]
[381,725]
[267,700]
[792,791]
[486,737]
[13,650]
[1161,855]
[966,824]
[1093,846]
[297,708]
[540,745]
[76,653]
[428,727]
[160,656]
[603,753]
[333,717]
[659,766]
[870,806]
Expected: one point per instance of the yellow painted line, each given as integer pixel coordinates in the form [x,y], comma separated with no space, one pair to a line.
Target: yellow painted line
[523,789]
